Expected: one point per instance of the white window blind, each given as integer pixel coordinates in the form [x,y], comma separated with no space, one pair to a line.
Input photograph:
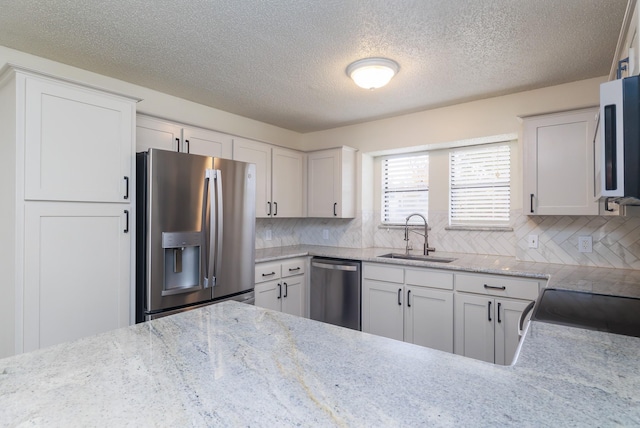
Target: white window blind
[480,186]
[405,188]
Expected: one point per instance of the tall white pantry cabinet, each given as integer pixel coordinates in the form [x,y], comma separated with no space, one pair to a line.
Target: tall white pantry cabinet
[66,217]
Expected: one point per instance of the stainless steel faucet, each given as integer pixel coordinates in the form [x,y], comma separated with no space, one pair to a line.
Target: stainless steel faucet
[425,247]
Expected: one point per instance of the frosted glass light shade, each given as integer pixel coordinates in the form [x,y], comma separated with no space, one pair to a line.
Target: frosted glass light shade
[372,73]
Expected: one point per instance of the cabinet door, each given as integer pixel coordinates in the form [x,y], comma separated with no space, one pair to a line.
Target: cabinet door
[293,295]
[428,318]
[506,331]
[156,134]
[473,324]
[323,185]
[207,143]
[287,182]
[78,143]
[77,271]
[269,295]
[559,164]
[259,154]
[382,309]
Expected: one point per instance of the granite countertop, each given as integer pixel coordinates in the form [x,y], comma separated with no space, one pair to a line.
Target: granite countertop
[233,364]
[623,282]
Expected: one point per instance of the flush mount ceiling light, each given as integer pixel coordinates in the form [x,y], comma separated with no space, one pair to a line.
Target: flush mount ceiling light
[372,73]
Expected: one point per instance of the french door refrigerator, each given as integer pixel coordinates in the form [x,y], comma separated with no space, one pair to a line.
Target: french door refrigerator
[195,232]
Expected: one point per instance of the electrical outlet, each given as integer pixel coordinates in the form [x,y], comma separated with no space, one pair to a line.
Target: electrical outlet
[585,244]
[533,241]
[267,235]
[325,234]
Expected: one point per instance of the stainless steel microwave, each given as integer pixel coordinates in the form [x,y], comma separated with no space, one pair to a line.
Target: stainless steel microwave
[618,148]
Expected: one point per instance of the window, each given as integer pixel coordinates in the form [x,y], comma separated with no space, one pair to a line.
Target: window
[480,186]
[405,187]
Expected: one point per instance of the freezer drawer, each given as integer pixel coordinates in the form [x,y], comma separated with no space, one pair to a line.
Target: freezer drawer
[335,296]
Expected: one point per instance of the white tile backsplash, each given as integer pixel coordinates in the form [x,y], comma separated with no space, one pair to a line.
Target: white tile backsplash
[616,240]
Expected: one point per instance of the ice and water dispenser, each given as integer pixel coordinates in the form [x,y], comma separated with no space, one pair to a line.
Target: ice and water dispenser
[182,255]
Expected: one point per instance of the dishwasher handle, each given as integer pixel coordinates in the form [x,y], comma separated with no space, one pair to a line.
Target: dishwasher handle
[335,267]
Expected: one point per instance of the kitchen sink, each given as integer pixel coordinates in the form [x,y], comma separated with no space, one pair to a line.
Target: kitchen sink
[417,257]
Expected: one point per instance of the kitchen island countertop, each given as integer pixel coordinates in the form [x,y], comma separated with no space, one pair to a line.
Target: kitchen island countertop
[233,364]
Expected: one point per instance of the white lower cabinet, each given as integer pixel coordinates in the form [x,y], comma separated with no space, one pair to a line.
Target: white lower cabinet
[428,318]
[281,286]
[77,281]
[413,305]
[382,309]
[486,323]
[475,315]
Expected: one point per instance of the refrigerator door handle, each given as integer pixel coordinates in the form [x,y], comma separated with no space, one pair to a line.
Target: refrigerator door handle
[215,226]
[220,222]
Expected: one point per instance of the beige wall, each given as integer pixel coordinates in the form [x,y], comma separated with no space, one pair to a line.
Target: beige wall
[159,104]
[477,119]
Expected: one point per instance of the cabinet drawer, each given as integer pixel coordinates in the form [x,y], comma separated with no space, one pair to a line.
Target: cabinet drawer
[497,285]
[293,267]
[267,272]
[429,278]
[383,273]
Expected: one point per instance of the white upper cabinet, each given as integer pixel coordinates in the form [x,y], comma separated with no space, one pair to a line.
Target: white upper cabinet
[287,182]
[260,154]
[559,163]
[157,134]
[280,177]
[332,183]
[160,134]
[207,143]
[77,143]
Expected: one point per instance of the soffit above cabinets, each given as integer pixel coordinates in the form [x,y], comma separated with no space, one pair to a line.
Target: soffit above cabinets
[283,61]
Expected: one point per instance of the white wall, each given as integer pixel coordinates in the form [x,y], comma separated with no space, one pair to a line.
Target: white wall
[159,104]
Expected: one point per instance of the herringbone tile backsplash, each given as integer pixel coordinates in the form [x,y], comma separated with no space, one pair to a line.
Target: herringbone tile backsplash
[616,240]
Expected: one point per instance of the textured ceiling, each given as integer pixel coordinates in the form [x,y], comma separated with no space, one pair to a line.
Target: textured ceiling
[283,61]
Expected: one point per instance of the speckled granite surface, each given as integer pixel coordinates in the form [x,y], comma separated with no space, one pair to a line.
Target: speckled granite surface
[233,364]
[623,282]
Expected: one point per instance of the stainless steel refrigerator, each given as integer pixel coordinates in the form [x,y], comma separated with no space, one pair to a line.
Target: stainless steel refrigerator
[195,232]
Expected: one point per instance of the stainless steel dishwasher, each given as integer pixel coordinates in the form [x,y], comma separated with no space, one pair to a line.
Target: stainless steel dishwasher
[335,292]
